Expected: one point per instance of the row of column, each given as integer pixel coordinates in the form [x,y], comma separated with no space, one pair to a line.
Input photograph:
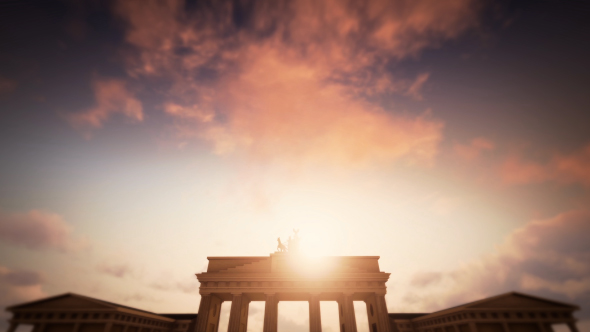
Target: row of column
[40,327]
[208,317]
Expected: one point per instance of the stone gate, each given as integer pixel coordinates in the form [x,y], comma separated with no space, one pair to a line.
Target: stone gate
[289,277]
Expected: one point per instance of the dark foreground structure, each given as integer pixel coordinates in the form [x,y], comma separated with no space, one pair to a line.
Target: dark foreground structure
[510,312]
[285,277]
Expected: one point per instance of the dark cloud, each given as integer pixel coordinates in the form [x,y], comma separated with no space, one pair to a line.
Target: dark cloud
[20,277]
[18,286]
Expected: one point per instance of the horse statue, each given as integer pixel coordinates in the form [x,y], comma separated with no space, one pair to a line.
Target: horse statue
[281,247]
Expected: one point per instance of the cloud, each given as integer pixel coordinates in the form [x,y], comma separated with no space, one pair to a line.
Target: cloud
[290,80]
[19,277]
[39,230]
[571,168]
[423,279]
[287,324]
[549,257]
[118,270]
[18,286]
[138,297]
[415,90]
[474,149]
[183,287]
[279,107]
[112,97]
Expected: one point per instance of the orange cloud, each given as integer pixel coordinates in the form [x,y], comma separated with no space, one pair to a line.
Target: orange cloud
[280,107]
[474,149]
[112,97]
[290,83]
[564,169]
[39,230]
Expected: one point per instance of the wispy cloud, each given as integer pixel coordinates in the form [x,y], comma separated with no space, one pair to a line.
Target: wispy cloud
[190,287]
[573,168]
[415,90]
[118,270]
[474,149]
[547,257]
[112,97]
[39,230]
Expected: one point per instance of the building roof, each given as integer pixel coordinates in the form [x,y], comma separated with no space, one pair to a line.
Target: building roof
[405,315]
[180,316]
[503,300]
[86,299]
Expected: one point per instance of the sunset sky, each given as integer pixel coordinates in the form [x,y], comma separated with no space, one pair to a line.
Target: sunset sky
[451,138]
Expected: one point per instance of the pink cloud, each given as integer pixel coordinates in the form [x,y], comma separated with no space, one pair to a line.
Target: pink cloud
[291,84]
[112,97]
[548,257]
[39,230]
[474,149]
[564,169]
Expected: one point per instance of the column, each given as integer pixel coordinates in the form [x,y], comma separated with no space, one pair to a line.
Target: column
[271,311]
[208,316]
[542,327]
[382,314]
[77,327]
[203,313]
[505,326]
[472,327]
[372,315]
[108,326]
[347,318]
[12,327]
[315,316]
[572,326]
[238,316]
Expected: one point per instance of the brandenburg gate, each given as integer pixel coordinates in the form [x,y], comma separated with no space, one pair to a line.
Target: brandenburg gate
[289,277]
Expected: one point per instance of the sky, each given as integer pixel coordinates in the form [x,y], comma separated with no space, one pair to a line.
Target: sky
[451,138]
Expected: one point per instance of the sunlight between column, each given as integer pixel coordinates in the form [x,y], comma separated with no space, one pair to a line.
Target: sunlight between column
[293,316]
[330,319]
[360,313]
[256,316]
[224,316]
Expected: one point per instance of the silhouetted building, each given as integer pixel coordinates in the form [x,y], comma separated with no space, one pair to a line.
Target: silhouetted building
[284,277]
